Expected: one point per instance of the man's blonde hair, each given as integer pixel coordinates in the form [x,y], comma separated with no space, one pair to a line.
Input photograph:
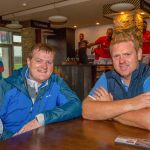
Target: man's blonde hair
[41,47]
[119,37]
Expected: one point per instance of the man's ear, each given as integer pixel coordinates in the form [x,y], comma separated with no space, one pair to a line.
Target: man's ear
[140,54]
[28,62]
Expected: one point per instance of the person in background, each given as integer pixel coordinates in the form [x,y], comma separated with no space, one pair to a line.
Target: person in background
[122,94]
[146,44]
[34,96]
[104,43]
[82,49]
[97,52]
[1,69]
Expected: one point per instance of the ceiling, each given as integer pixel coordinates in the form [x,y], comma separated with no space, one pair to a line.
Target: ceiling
[81,13]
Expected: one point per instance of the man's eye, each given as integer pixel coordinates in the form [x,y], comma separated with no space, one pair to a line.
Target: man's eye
[116,56]
[38,60]
[50,63]
[127,54]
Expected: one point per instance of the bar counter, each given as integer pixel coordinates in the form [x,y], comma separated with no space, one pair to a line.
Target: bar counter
[79,77]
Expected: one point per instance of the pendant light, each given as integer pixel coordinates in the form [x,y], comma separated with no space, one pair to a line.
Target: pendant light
[14,25]
[57,19]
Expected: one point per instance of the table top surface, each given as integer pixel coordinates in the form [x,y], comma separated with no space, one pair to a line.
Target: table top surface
[75,134]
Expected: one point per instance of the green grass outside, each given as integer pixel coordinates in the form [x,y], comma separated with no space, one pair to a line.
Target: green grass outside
[17,66]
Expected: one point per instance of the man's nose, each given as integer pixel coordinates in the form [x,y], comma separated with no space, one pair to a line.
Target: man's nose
[121,59]
[44,65]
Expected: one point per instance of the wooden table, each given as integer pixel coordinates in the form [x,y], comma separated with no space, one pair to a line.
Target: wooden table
[76,134]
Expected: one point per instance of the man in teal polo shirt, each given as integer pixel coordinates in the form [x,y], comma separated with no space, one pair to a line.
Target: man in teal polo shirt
[123,94]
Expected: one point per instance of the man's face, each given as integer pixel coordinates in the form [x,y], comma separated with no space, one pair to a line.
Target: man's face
[125,59]
[40,65]
[109,32]
[144,26]
[81,37]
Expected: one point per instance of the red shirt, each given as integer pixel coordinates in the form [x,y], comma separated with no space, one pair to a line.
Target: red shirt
[104,49]
[146,42]
[97,52]
[1,67]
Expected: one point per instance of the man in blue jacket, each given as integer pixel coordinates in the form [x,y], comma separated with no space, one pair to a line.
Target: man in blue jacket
[123,94]
[34,96]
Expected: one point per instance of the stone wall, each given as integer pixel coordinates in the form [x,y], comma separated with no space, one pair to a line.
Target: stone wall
[28,40]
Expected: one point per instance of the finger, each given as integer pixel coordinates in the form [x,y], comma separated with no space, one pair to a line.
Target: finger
[98,93]
[111,96]
[21,131]
[97,98]
[102,91]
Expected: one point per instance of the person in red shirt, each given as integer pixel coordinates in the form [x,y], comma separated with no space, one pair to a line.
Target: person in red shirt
[1,69]
[97,52]
[104,43]
[146,44]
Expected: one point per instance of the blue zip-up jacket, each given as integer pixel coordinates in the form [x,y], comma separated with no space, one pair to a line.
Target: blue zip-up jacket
[56,101]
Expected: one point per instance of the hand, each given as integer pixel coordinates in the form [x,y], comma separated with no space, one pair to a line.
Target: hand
[29,126]
[141,101]
[102,95]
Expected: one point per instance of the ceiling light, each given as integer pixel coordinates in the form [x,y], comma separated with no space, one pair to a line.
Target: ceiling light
[14,25]
[118,7]
[142,13]
[24,4]
[58,19]
[97,23]
[122,13]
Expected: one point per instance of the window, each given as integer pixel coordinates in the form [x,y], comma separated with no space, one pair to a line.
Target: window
[10,51]
[17,51]
[5,37]
[17,57]
[4,57]
[17,39]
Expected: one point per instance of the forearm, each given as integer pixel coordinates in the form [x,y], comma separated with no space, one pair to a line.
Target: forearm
[91,44]
[102,110]
[70,110]
[139,118]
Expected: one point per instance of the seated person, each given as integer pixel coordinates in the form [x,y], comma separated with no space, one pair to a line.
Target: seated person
[123,94]
[34,96]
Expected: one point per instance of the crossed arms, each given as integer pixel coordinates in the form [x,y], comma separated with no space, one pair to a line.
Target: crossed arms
[133,112]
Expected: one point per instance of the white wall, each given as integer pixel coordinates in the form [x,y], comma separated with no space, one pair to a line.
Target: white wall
[91,34]
[148,24]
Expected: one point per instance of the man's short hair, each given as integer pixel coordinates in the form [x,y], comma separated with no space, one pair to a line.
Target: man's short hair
[125,36]
[41,47]
[144,21]
[110,29]
[81,34]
